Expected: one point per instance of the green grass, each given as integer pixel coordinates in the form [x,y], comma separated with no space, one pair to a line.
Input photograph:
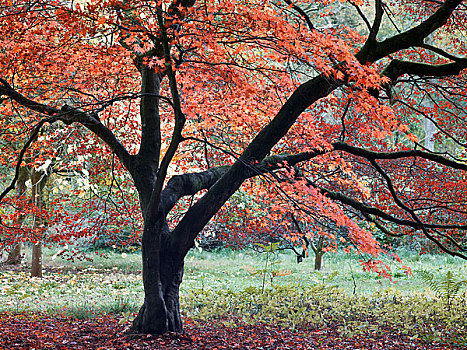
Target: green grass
[232,270]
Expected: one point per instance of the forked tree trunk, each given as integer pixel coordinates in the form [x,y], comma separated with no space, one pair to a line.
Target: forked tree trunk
[162,277]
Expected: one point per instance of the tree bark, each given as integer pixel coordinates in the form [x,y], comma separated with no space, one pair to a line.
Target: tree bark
[14,255]
[318,250]
[162,276]
[36,261]
[318,260]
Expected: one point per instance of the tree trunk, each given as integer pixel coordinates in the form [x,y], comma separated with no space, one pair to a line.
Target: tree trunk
[162,277]
[318,250]
[36,261]
[38,181]
[318,260]
[14,255]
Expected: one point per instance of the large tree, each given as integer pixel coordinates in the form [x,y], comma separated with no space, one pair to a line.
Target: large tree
[214,93]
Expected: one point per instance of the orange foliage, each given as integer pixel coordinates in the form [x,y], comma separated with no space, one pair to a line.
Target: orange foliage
[236,64]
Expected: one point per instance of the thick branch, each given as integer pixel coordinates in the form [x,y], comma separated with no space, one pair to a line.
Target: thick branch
[377,21]
[150,118]
[187,185]
[372,52]
[397,68]
[202,211]
[180,119]
[372,155]
[190,184]
[302,98]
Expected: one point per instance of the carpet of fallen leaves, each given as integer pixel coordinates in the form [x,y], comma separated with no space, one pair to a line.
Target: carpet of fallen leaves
[35,331]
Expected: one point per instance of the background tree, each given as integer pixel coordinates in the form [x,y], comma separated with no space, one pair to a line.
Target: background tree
[38,182]
[244,88]
[14,253]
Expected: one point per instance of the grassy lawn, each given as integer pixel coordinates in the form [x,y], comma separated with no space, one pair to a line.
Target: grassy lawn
[233,270]
[224,283]
[113,283]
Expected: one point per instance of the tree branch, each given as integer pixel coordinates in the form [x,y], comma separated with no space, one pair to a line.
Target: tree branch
[180,119]
[372,51]
[368,209]
[190,184]
[69,115]
[303,97]
[440,52]
[150,118]
[27,144]
[201,212]
[302,13]
[397,68]
[377,21]
[410,211]
[382,228]
[362,15]
[373,155]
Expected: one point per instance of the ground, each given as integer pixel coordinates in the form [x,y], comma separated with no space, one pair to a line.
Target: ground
[35,331]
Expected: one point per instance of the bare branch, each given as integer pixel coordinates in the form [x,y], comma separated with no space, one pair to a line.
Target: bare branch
[25,147]
[302,13]
[362,15]
[380,227]
[69,115]
[440,52]
[372,155]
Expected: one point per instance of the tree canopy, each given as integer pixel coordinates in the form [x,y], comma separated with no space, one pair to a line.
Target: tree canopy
[314,117]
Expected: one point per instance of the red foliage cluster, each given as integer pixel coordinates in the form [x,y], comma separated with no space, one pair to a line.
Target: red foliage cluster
[56,332]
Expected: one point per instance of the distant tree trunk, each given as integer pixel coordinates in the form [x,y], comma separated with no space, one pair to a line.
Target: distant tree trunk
[36,261]
[38,181]
[14,255]
[318,250]
[318,260]
[429,126]
[430,130]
